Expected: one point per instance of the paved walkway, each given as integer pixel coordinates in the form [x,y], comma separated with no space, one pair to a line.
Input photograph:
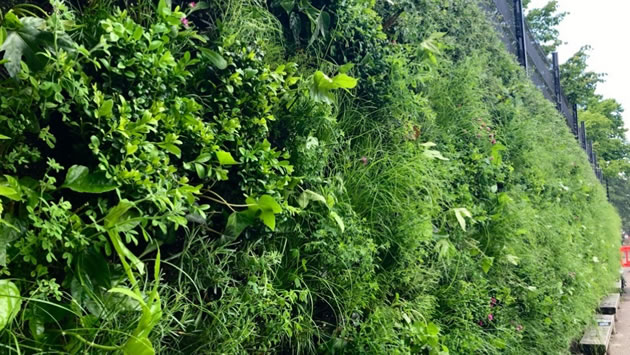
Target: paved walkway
[620,343]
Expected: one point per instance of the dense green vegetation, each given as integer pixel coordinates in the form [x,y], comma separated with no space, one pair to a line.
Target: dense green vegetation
[288,177]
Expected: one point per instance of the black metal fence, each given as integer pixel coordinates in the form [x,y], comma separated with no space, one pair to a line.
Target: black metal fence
[510,20]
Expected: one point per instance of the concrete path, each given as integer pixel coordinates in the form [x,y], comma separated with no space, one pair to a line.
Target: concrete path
[620,343]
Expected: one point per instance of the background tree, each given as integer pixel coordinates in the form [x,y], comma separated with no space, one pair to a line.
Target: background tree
[543,23]
[603,119]
[578,83]
[604,123]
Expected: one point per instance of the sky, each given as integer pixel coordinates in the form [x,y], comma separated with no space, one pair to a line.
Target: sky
[605,26]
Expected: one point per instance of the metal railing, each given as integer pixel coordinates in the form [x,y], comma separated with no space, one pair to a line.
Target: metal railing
[509,18]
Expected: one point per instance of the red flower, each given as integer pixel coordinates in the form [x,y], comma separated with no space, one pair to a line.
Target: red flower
[493,302]
[490,317]
[184,22]
[364,160]
[192,4]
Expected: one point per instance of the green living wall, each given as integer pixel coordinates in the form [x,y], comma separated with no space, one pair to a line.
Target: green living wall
[344,177]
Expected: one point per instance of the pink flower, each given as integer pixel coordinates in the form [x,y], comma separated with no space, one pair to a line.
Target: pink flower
[494,141]
[490,317]
[519,328]
[364,160]
[184,22]
[192,4]
[488,129]
[480,323]
[493,302]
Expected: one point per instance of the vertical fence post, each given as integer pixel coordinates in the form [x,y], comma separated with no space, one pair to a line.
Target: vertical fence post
[556,81]
[519,29]
[607,189]
[583,129]
[589,150]
[574,126]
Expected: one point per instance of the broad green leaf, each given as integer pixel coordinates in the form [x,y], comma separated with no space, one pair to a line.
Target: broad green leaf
[137,33]
[322,80]
[167,60]
[486,263]
[10,302]
[346,68]
[237,222]
[268,208]
[267,203]
[432,330]
[116,213]
[203,158]
[138,346]
[433,154]
[343,81]
[269,219]
[171,148]
[4,137]
[308,196]
[460,213]
[22,43]
[9,193]
[287,5]
[339,221]
[26,42]
[164,8]
[225,158]
[322,85]
[11,188]
[155,45]
[215,58]
[79,179]
[106,109]
[201,170]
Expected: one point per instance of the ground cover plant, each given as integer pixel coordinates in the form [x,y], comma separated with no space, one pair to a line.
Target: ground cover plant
[287,177]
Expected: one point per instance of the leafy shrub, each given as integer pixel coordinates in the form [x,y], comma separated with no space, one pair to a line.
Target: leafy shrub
[188,179]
